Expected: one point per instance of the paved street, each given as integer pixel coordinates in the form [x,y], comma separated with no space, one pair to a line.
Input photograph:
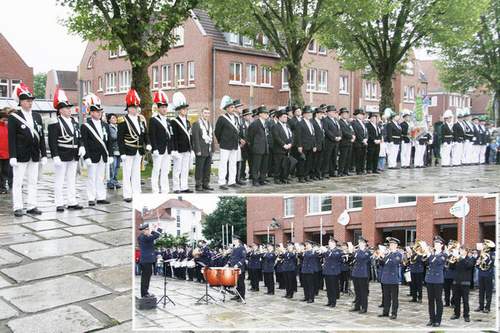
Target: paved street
[274,312]
[65,272]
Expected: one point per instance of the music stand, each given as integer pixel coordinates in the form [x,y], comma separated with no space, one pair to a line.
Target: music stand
[165,298]
[207,297]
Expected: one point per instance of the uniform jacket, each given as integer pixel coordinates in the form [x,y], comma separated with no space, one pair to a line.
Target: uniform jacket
[310,262]
[463,270]
[146,245]
[130,138]
[359,132]
[238,257]
[447,133]
[305,138]
[289,263]
[160,135]
[360,268]
[319,134]
[393,133]
[332,262]
[254,260]
[22,144]
[458,132]
[374,133]
[418,266]
[332,130]
[227,132]
[392,264]
[268,260]
[491,271]
[347,132]
[435,268]
[93,148]
[182,135]
[63,140]
[405,132]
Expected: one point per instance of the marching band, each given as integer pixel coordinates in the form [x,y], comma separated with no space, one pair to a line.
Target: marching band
[312,264]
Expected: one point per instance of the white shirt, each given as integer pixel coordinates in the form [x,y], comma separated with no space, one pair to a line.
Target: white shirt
[135,121]
[311,128]
[286,129]
[69,123]
[184,122]
[362,125]
[98,126]
[29,117]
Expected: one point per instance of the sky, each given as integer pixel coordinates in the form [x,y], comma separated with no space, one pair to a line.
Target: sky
[43,42]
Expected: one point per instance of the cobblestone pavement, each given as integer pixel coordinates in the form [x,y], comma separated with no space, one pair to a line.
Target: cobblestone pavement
[65,272]
[275,312]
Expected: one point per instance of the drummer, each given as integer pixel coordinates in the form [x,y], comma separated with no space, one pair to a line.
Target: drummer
[237,260]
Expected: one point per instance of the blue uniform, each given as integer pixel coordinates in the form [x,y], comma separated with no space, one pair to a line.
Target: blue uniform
[254,260]
[333,262]
[146,245]
[205,256]
[491,271]
[289,262]
[390,272]
[417,266]
[360,269]
[268,260]
[310,262]
[435,268]
[238,257]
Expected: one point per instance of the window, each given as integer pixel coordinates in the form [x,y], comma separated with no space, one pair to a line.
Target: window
[179,35]
[13,84]
[87,87]
[311,48]
[235,72]
[370,90]
[4,88]
[288,203]
[284,78]
[113,53]
[323,80]
[190,72]
[319,204]
[124,80]
[90,62]
[311,79]
[354,202]
[321,49]
[410,68]
[233,38]
[121,51]
[99,83]
[110,82]
[154,76]
[247,41]
[344,84]
[265,40]
[166,80]
[391,200]
[251,74]
[179,74]
[409,93]
[445,198]
[266,75]
[178,232]
[374,91]
[410,236]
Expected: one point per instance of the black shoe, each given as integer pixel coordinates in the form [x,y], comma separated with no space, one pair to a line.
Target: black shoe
[3,191]
[436,324]
[304,300]
[103,202]
[262,183]
[393,317]
[187,191]
[239,300]
[301,180]
[34,211]
[75,207]
[239,182]
[60,209]
[310,301]
[92,203]
[18,213]
[255,183]
[208,188]
[234,185]
[381,306]
[333,305]
[486,311]
[223,187]
[328,304]
[234,298]
[354,310]
[454,317]
[362,311]
[198,188]
[278,182]
[413,301]
[286,296]
[430,323]
[127,199]
[467,319]
[271,293]
[478,310]
[383,315]
[419,301]
[177,191]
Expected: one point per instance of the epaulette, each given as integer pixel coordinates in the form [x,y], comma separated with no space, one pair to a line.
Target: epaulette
[120,119]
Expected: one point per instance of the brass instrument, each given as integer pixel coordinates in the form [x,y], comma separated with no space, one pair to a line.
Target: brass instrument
[196,252]
[484,261]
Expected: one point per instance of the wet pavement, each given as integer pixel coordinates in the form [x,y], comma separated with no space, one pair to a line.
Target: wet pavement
[263,311]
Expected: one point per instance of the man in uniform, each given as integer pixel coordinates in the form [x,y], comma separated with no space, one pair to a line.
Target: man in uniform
[254,267]
[289,270]
[447,139]
[65,149]
[374,140]
[237,260]
[26,150]
[319,131]
[469,138]
[405,140]
[98,150]
[332,139]
[434,279]
[268,261]
[393,130]
[146,241]
[417,276]
[345,147]
[361,142]
[203,146]
[257,136]
[478,136]
[486,273]
[308,270]
[227,132]
[360,276]
[463,266]
[457,151]
[245,150]
[331,270]
[132,136]
[238,111]
[182,147]
[306,145]
[282,145]
[160,136]
[390,278]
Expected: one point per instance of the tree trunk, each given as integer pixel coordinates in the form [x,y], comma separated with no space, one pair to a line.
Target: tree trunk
[496,108]
[140,82]
[295,82]
[387,92]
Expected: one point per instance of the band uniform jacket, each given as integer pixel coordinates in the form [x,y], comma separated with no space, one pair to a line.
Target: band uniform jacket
[447,132]
[160,135]
[393,133]
[280,139]
[238,257]
[477,134]
[374,133]
[390,272]
[332,262]
[463,269]
[347,132]
[146,245]
[93,148]
[359,132]
[268,260]
[63,140]
[289,263]
[130,138]
[182,135]
[319,133]
[227,132]
[459,132]
[332,131]
[404,132]
[200,147]
[309,262]
[468,131]
[254,260]
[360,268]
[305,138]
[258,137]
[23,145]
[435,268]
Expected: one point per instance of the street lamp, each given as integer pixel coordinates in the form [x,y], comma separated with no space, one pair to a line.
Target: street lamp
[274,225]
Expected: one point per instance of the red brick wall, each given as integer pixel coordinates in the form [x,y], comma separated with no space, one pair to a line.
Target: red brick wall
[12,66]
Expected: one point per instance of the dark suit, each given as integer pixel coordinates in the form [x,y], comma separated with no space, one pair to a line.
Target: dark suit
[307,141]
[359,147]
[331,148]
[147,259]
[130,138]
[320,143]
[93,148]
[345,146]
[63,140]
[281,161]
[373,150]
[23,145]
[245,150]
[160,135]
[259,147]
[203,152]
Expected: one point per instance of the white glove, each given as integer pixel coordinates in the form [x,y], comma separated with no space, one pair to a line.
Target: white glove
[110,160]
[43,160]
[430,142]
[88,161]
[13,162]
[156,153]
[81,151]
[57,161]
[123,157]
[193,156]
[148,148]
[175,154]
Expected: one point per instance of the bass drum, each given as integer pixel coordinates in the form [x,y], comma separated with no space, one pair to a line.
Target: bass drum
[229,277]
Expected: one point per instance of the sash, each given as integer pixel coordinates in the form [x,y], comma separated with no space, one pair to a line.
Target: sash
[131,130]
[164,126]
[183,128]
[231,122]
[32,130]
[98,138]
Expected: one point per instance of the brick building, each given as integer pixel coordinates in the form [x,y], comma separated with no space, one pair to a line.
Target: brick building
[13,69]
[375,217]
[66,80]
[207,63]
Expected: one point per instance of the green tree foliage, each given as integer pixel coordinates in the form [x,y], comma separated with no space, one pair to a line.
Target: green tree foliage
[143,28]
[168,240]
[230,210]
[39,83]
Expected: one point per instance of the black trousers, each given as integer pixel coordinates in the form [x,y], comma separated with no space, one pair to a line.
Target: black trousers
[448,283]
[327,157]
[372,153]
[305,167]
[435,297]
[391,298]
[309,285]
[344,281]
[361,293]
[202,170]
[280,278]
[198,274]
[332,288]
[254,275]
[290,282]
[461,294]
[485,291]
[167,270]
[243,165]
[5,174]
[359,152]
[190,272]
[417,280]
[146,271]
[281,166]
[269,281]
[259,167]
[345,158]
[241,285]
[317,163]
[270,164]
